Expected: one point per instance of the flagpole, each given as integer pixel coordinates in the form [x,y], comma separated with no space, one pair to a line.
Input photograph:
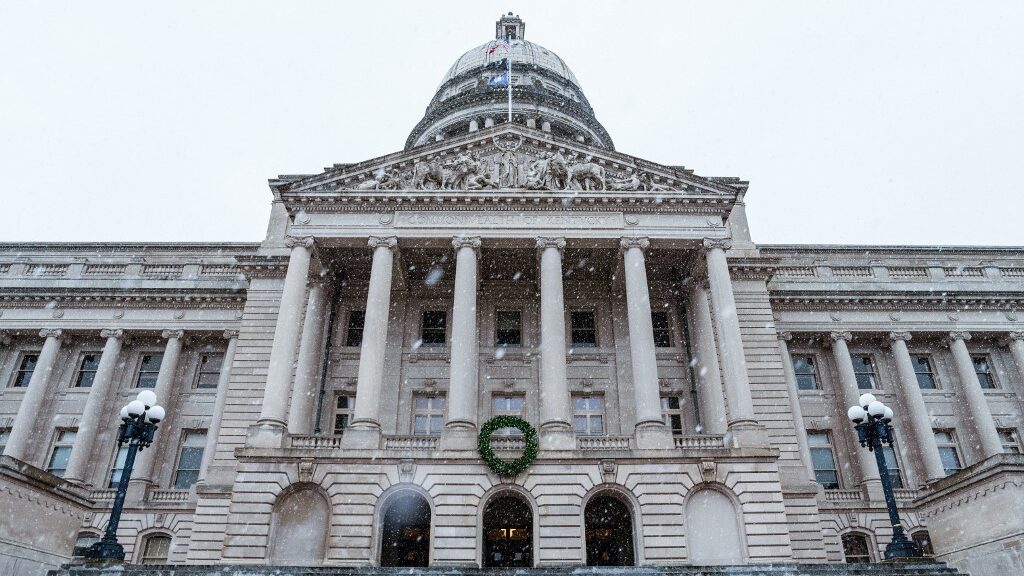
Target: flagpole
[508,40]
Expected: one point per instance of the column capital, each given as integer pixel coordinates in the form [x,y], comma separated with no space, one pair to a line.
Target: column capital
[959,335]
[390,242]
[168,334]
[108,333]
[1015,336]
[640,242]
[51,333]
[720,243]
[293,241]
[466,242]
[230,333]
[784,335]
[838,335]
[544,242]
[904,336]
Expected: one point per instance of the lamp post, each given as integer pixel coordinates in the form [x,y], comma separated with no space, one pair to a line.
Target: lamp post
[138,425]
[872,421]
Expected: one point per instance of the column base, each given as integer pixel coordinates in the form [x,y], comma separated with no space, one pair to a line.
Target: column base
[361,438]
[556,436]
[458,438]
[746,434]
[653,436]
[266,435]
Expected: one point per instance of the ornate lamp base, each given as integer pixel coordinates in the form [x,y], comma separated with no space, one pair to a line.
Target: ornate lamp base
[106,550]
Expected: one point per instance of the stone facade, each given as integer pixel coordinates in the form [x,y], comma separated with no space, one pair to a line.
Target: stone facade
[669,363]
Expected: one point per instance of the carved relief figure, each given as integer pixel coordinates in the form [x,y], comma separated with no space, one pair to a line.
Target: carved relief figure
[648,183]
[428,172]
[537,175]
[587,175]
[558,173]
[627,182]
[509,170]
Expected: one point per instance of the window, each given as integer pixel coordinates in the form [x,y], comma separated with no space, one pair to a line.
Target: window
[948,452]
[118,468]
[508,328]
[190,459]
[983,368]
[508,405]
[583,327]
[823,460]
[672,413]
[427,415]
[61,452]
[662,330]
[923,541]
[149,369]
[856,548]
[893,465]
[356,322]
[433,331]
[83,542]
[25,370]
[87,367]
[864,371]
[155,549]
[1010,440]
[588,414]
[343,406]
[924,373]
[806,372]
[209,370]
[5,436]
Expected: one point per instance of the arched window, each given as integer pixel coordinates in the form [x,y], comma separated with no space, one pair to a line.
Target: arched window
[713,529]
[405,532]
[508,532]
[155,548]
[609,532]
[82,543]
[923,541]
[856,548]
[301,521]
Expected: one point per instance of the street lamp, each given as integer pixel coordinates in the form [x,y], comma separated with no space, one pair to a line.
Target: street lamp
[872,420]
[138,425]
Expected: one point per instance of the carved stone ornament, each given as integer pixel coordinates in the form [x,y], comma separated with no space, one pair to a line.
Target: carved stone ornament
[305,471]
[905,336]
[1011,316]
[1015,336]
[51,333]
[168,334]
[784,335]
[717,243]
[5,339]
[466,242]
[230,333]
[382,242]
[112,333]
[547,242]
[640,242]
[608,470]
[303,241]
[406,471]
[894,316]
[840,335]
[959,335]
[708,470]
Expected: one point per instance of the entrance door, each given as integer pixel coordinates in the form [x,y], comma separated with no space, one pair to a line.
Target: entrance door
[508,533]
[405,540]
[609,532]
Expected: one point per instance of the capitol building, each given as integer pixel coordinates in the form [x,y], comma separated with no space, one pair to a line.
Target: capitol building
[325,388]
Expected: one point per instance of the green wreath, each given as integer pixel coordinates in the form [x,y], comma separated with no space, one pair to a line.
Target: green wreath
[503,467]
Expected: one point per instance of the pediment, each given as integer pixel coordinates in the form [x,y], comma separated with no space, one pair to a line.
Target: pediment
[509,158]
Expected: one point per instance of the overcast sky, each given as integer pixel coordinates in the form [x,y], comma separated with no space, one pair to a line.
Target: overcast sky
[855,122]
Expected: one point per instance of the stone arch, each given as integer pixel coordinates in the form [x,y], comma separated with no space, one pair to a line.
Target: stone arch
[852,540]
[530,505]
[714,526]
[145,547]
[300,523]
[632,509]
[404,502]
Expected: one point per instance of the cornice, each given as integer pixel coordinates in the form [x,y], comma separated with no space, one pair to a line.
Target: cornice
[185,299]
[905,300]
[259,266]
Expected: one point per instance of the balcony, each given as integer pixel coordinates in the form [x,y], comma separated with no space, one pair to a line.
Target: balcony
[702,442]
[602,442]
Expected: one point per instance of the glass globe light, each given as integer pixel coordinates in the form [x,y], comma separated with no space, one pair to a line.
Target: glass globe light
[876,409]
[135,408]
[124,412]
[147,397]
[888,414]
[856,414]
[155,414]
[866,400]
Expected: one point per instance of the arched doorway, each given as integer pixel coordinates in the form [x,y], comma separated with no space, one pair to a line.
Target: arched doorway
[713,529]
[609,532]
[508,533]
[405,532]
[301,520]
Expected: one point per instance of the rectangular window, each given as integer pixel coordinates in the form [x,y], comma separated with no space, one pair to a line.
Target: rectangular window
[427,415]
[806,372]
[149,369]
[61,452]
[672,413]
[25,369]
[87,367]
[864,371]
[156,549]
[1008,436]
[508,328]
[588,414]
[118,468]
[983,368]
[209,370]
[662,329]
[190,459]
[893,465]
[923,371]
[343,406]
[823,459]
[584,329]
[354,333]
[433,331]
[508,405]
[948,452]
[5,435]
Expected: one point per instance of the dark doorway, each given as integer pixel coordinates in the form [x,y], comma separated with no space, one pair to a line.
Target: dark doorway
[609,532]
[405,539]
[508,533]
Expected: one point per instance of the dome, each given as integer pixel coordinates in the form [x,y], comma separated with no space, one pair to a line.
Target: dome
[473,94]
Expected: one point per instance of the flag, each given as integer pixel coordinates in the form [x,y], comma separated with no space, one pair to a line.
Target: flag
[503,63]
[499,81]
[494,47]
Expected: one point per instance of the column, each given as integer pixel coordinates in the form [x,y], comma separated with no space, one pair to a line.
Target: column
[213,432]
[93,416]
[650,431]
[917,412]
[743,426]
[794,401]
[1015,340]
[713,418]
[310,362]
[24,428]
[274,412]
[463,396]
[555,406]
[978,412]
[364,432]
[849,395]
[165,395]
